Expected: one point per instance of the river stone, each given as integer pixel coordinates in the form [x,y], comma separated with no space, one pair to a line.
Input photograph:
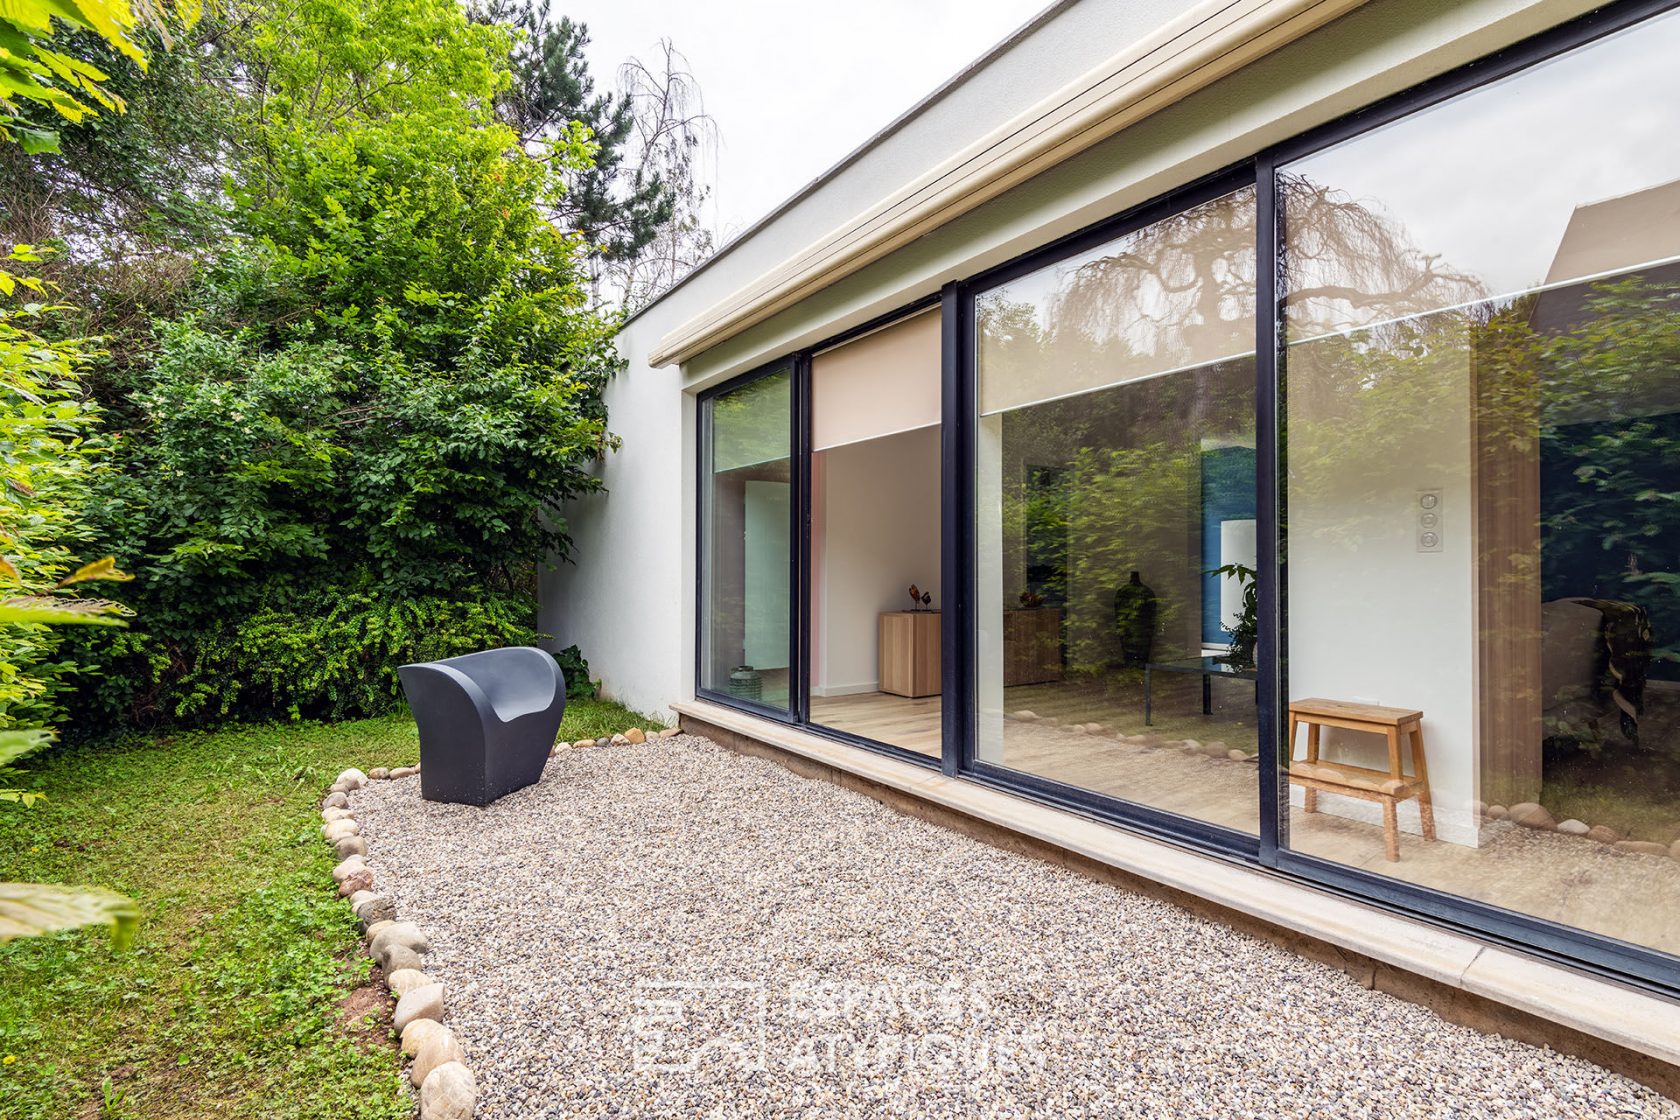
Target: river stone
[424,1002]
[1603,833]
[440,1047]
[1674,850]
[406,934]
[372,911]
[405,980]
[1573,827]
[379,774]
[582,743]
[330,815]
[1531,815]
[360,897]
[340,787]
[1216,749]
[335,801]
[375,928]
[635,735]
[1236,756]
[353,778]
[349,867]
[448,1093]
[359,881]
[405,772]
[399,957]
[618,741]
[351,846]
[338,830]
[670,733]
[1497,812]
[1642,847]
[416,1033]
[1026,715]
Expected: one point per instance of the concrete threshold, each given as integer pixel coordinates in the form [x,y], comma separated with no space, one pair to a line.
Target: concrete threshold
[1462,978]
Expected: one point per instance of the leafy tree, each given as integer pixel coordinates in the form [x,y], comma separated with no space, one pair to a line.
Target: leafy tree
[46,455]
[384,389]
[121,188]
[48,452]
[38,72]
[637,205]
[617,205]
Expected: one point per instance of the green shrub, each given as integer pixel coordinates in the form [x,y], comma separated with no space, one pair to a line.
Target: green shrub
[576,670]
[336,661]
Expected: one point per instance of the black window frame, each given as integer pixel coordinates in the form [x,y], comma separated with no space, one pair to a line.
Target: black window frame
[1268,852]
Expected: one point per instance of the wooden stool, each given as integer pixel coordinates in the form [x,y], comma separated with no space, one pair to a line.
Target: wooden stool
[1390,787]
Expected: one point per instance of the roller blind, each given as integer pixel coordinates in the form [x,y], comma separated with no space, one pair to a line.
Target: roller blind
[878,385]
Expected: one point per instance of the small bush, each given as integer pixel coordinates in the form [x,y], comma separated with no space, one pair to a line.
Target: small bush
[576,669]
[337,661]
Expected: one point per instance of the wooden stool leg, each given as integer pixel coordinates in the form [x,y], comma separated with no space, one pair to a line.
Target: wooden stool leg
[1391,830]
[1310,802]
[1420,767]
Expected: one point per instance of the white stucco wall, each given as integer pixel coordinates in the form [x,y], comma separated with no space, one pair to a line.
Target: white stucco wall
[874,531]
[629,599]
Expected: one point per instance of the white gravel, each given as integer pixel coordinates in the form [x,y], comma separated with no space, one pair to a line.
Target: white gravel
[676,930]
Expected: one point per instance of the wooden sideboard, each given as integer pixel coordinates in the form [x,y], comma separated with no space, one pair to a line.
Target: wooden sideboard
[909,653]
[1032,646]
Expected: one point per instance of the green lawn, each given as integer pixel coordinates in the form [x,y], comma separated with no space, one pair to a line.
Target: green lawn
[243,994]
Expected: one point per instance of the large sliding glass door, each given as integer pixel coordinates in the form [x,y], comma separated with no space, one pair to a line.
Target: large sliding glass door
[875,652]
[1115,517]
[1482,316]
[747,528]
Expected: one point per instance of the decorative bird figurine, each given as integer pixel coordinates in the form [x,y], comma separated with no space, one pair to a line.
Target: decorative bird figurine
[915,596]
[927,598]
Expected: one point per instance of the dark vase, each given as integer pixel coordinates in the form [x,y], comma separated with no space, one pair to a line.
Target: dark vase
[745,683]
[1134,621]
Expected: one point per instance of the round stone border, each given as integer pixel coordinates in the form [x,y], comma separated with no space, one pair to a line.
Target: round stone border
[439,1071]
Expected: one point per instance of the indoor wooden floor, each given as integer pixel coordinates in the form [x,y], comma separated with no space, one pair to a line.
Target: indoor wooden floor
[898,720]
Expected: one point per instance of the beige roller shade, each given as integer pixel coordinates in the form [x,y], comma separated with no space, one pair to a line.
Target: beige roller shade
[878,385]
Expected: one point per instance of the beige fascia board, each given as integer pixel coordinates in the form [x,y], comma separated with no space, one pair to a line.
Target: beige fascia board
[1207,43]
[1636,1020]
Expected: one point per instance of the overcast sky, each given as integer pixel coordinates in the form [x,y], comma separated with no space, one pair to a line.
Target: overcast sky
[794,87]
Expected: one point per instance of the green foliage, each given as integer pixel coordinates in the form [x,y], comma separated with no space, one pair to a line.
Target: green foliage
[1247,630]
[618,205]
[350,451]
[576,671]
[35,72]
[343,662]
[46,462]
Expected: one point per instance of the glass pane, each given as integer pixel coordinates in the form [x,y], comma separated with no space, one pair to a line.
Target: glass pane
[875,535]
[1116,518]
[1483,534]
[746,517]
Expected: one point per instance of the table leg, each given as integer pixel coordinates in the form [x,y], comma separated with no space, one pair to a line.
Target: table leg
[1207,694]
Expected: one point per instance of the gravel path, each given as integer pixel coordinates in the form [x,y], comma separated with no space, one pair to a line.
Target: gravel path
[676,930]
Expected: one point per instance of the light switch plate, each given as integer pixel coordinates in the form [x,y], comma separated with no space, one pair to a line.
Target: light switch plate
[1430,521]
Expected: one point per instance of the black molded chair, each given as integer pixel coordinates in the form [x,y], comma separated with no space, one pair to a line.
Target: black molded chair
[487,721]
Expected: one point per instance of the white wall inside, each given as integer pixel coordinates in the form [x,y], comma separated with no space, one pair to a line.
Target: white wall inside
[874,532]
[767,556]
[1372,619]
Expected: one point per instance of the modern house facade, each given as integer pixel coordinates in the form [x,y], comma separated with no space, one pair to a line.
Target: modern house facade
[1276,410]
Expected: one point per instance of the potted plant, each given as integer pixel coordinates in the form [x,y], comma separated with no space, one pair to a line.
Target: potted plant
[1247,629]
